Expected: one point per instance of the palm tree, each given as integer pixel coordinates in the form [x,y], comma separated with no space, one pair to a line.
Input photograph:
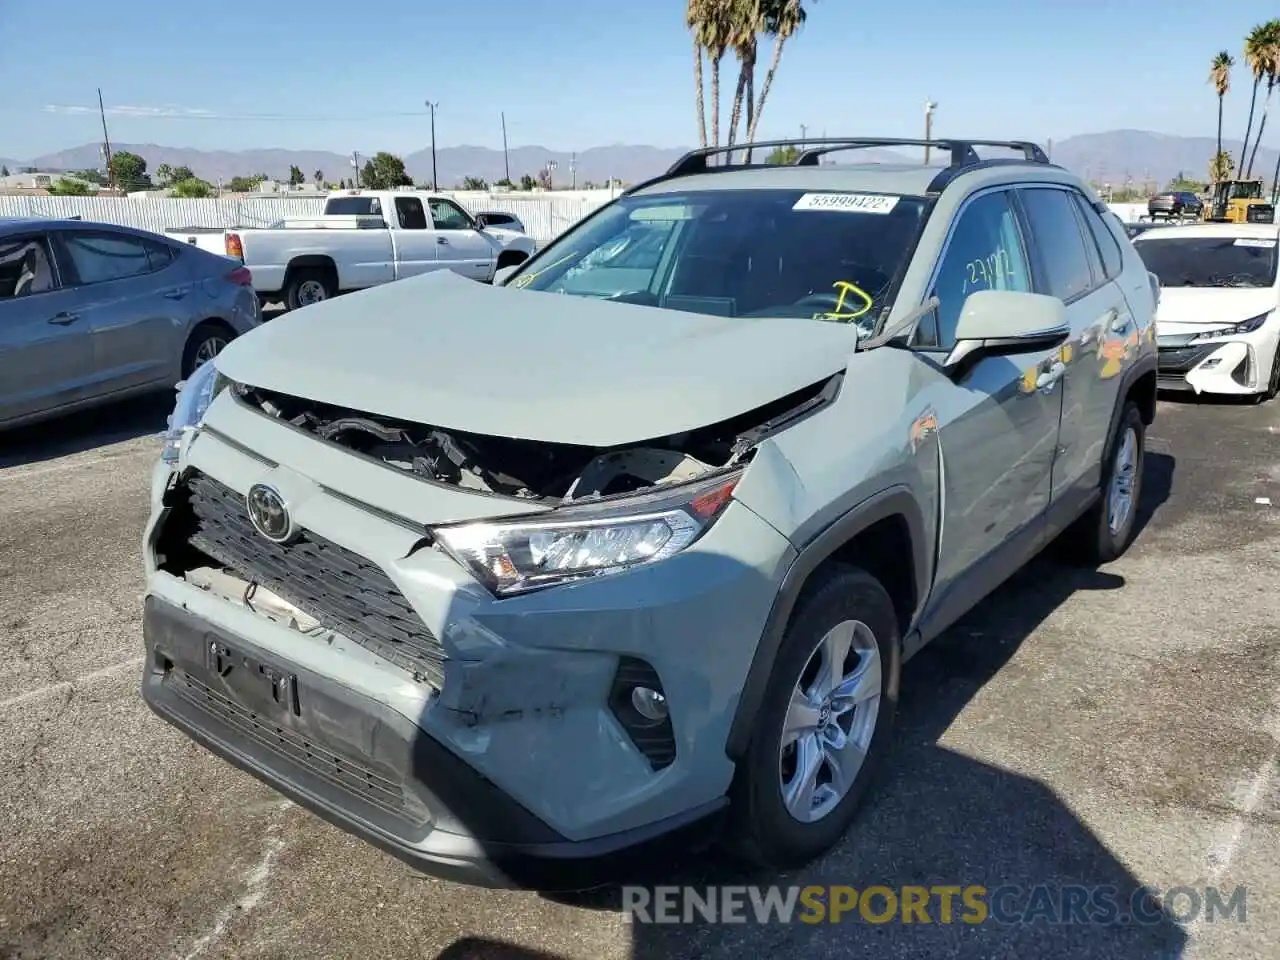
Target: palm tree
[693,17]
[1220,77]
[1271,63]
[782,18]
[1255,52]
[711,23]
[318,176]
[748,22]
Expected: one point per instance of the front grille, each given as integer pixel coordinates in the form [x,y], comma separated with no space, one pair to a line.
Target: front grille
[357,778]
[344,591]
[1183,359]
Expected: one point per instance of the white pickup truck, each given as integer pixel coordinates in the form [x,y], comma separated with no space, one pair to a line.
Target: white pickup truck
[363,238]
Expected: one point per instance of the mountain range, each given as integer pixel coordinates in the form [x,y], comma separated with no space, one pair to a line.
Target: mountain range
[1112,157]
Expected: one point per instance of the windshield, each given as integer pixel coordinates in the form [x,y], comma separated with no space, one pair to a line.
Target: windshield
[739,253]
[1210,261]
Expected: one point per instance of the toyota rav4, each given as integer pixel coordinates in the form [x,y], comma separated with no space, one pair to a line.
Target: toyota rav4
[522,583]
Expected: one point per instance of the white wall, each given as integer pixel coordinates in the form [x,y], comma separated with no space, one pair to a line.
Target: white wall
[545,215]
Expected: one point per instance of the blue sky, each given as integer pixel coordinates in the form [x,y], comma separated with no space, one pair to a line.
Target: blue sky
[343,75]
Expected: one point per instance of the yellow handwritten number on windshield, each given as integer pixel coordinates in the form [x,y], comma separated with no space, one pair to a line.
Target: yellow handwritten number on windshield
[842,312]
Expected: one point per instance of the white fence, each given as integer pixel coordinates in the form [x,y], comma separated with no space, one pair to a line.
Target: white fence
[544,216]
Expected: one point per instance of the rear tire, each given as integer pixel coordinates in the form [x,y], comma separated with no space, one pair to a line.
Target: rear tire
[1105,532]
[206,342]
[764,827]
[307,286]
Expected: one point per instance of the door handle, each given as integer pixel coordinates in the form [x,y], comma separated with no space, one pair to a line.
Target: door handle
[1118,322]
[64,318]
[1050,374]
[444,240]
[175,294]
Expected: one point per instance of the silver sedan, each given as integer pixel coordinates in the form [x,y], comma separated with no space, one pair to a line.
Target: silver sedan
[93,312]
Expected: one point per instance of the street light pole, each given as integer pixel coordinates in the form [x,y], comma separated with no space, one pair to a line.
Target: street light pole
[435,185]
[506,160]
[929,107]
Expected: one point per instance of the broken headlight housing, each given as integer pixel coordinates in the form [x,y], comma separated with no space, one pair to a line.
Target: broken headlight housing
[580,542]
[194,396]
[1238,330]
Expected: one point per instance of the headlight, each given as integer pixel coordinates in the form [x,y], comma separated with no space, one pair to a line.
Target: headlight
[194,396]
[579,542]
[1248,326]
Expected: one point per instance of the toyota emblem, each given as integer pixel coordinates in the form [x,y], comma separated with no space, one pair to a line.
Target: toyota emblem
[269,514]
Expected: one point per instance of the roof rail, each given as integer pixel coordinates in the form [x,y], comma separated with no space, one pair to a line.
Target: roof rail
[962,152]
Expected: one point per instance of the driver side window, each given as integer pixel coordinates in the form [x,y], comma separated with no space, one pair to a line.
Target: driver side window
[985,252]
[446,215]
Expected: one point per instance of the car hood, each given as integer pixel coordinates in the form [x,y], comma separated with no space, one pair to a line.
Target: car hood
[444,350]
[1196,309]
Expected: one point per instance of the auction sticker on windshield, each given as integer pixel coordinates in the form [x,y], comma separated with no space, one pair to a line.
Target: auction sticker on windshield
[1247,242]
[846,202]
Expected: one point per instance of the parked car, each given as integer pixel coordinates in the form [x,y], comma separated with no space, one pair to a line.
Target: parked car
[489,219]
[91,312]
[1218,327]
[364,238]
[626,551]
[1176,204]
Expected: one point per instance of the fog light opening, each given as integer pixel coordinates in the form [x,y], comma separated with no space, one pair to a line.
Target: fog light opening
[649,703]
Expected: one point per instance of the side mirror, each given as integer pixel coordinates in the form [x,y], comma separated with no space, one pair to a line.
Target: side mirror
[1002,322]
[500,277]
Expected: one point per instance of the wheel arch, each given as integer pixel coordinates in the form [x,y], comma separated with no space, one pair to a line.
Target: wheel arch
[311,261]
[886,536]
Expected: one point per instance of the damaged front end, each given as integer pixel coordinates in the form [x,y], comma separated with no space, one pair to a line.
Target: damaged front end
[610,508]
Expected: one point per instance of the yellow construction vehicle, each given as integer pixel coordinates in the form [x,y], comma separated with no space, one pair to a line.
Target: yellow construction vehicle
[1237,201]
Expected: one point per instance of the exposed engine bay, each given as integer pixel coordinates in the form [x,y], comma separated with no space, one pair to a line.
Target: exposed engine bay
[534,469]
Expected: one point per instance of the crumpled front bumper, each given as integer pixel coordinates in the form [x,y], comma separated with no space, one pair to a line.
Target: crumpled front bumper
[370,770]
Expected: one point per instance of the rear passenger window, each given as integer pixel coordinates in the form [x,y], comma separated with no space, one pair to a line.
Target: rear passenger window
[1112,259]
[1056,234]
[98,257]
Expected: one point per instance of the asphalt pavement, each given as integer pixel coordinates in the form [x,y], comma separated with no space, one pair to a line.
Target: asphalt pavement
[1113,727]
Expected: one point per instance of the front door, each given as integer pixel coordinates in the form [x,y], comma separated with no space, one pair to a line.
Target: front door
[46,360]
[460,243]
[415,239]
[998,426]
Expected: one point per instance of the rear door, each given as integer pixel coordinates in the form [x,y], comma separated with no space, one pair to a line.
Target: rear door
[461,246]
[46,358]
[415,238]
[1069,265]
[136,299]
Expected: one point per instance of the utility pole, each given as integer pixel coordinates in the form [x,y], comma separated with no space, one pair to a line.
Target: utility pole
[573,170]
[804,135]
[355,163]
[435,185]
[106,140]
[506,159]
[929,107]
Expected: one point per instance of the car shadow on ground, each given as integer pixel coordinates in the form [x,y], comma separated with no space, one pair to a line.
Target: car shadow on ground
[936,817]
[87,430]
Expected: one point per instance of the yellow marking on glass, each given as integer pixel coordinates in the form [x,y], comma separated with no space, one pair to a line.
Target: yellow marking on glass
[528,278]
[844,288]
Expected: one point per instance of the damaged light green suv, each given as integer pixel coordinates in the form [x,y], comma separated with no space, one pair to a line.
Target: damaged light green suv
[522,583]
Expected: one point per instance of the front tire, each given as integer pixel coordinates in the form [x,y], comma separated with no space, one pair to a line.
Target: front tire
[823,725]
